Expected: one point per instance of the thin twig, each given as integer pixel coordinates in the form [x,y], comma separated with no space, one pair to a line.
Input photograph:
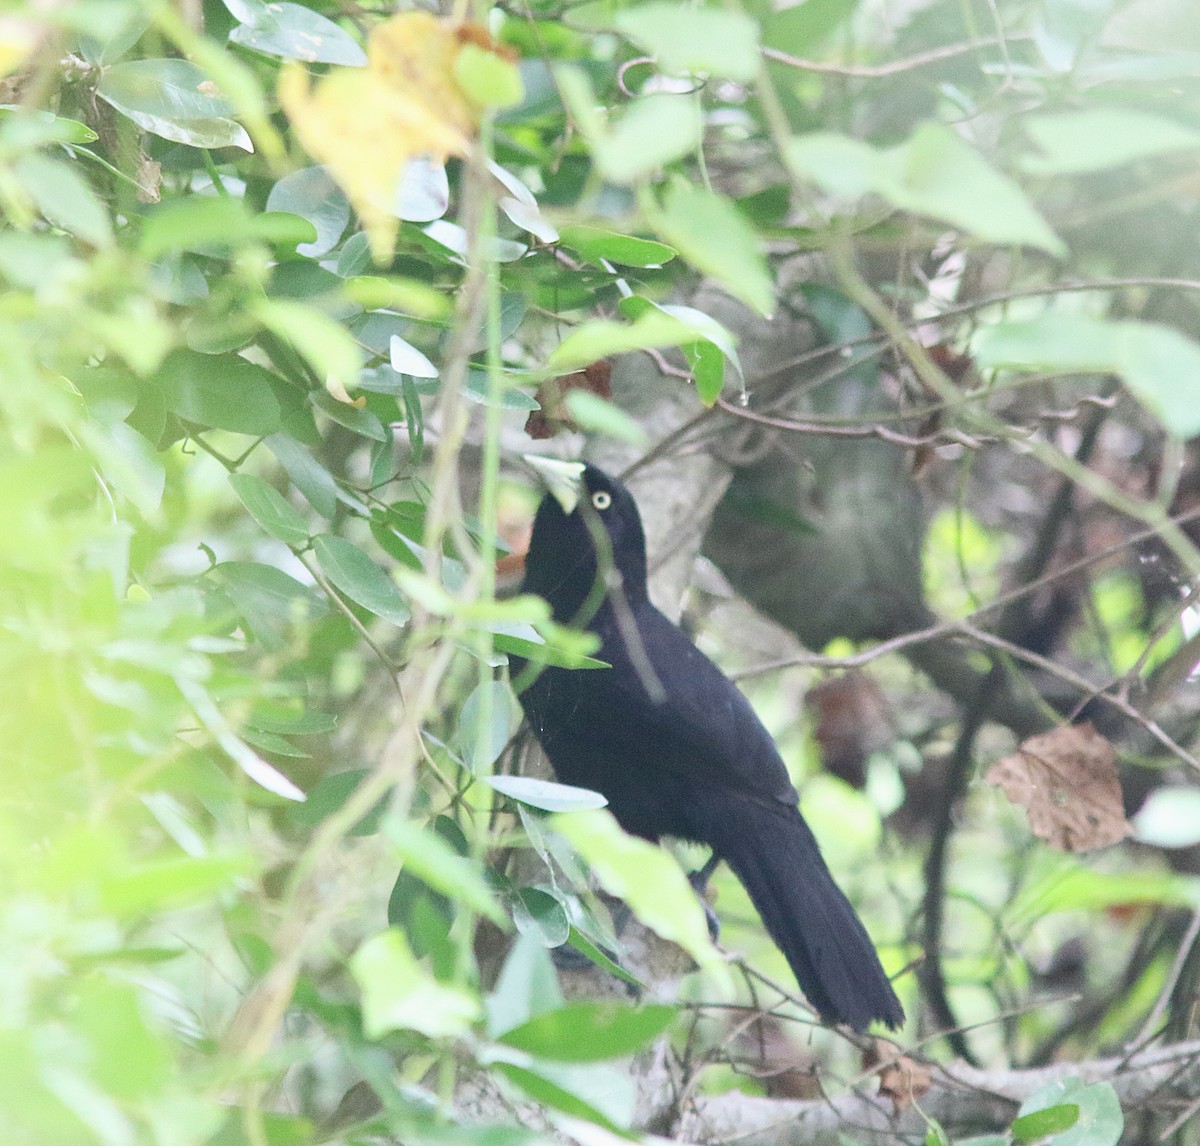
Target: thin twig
[1150,1027]
[893,67]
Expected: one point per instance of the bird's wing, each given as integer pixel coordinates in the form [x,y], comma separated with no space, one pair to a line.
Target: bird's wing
[703,728]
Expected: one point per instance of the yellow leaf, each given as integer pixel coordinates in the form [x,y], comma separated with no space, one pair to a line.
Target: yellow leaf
[365,124]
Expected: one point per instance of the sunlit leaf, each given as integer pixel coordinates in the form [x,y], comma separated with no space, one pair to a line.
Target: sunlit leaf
[712,41]
[935,173]
[590,1031]
[710,232]
[652,132]
[399,994]
[64,198]
[1170,818]
[1096,138]
[433,861]
[1160,365]
[647,879]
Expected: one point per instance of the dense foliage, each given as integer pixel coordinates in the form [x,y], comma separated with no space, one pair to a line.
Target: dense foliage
[263,402]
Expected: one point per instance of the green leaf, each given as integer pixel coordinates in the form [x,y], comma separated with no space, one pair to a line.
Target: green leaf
[265,775]
[399,994]
[587,948]
[600,338]
[376,292]
[936,1135]
[1160,365]
[1099,138]
[647,879]
[270,602]
[707,365]
[360,421]
[270,509]
[313,195]
[551,1094]
[128,1059]
[33,127]
[167,884]
[433,861]
[593,413]
[527,986]
[173,99]
[710,232]
[107,40]
[62,195]
[329,794]
[1099,1120]
[546,794]
[1044,1122]
[537,912]
[706,357]
[292,721]
[1066,886]
[294,33]
[512,397]
[711,41]
[564,650]
[308,475]
[325,344]
[274,743]
[590,1032]
[486,78]
[652,132]
[800,29]
[219,391]
[596,244]
[480,748]
[356,575]
[932,173]
[193,223]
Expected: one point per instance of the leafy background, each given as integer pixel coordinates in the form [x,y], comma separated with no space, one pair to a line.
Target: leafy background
[264,407]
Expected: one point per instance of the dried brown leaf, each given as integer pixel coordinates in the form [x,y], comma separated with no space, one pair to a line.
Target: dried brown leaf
[1067,782]
[902,1079]
[852,721]
[553,416]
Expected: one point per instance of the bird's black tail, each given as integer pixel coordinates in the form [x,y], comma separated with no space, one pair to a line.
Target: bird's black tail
[774,854]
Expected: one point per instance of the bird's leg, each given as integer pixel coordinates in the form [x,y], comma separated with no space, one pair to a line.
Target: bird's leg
[699,881]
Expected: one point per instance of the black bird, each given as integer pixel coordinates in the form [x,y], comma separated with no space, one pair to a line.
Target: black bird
[678,751]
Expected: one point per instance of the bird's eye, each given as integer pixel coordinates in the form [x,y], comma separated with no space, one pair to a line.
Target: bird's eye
[601,499]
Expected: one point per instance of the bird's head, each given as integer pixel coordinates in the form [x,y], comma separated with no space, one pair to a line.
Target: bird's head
[587,527]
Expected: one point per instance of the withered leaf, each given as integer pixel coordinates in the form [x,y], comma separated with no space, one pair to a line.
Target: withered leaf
[596,378]
[902,1079]
[1067,782]
[366,124]
[852,721]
